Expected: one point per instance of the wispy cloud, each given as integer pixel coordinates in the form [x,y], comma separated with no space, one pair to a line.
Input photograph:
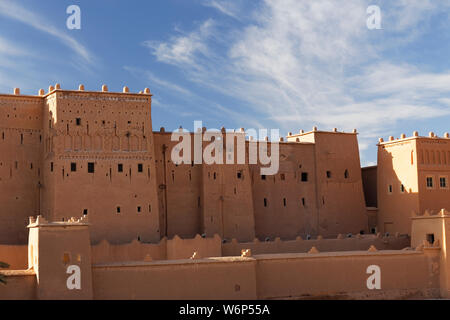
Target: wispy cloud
[300,63]
[157,81]
[184,49]
[225,7]
[14,11]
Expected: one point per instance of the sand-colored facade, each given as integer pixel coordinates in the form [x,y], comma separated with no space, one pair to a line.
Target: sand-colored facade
[412,176]
[151,228]
[68,153]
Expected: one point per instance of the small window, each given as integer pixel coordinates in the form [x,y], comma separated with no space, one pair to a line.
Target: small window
[304,177]
[91,167]
[282,177]
[328,174]
[263,177]
[78,121]
[239,175]
[85,212]
[430,238]
[73,167]
[265,202]
[303,202]
[140,167]
[402,188]
[390,189]
[138,209]
[118,209]
[284,202]
[346,174]
[430,182]
[51,166]
[443,182]
[120,167]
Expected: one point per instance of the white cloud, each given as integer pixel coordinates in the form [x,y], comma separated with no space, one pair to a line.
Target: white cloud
[183,50]
[14,11]
[225,7]
[300,63]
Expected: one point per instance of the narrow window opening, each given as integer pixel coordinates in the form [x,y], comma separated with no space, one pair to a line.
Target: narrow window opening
[265,202]
[51,166]
[430,238]
[303,201]
[73,167]
[140,167]
[78,121]
[283,177]
[284,202]
[21,138]
[120,167]
[91,167]
[346,174]
[429,182]
[239,175]
[138,209]
[304,176]
[118,209]
[85,212]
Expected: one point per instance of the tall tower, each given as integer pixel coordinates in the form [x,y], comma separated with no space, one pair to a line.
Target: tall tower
[98,160]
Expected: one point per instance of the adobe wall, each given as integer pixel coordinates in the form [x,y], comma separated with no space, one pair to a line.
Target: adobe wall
[369,179]
[285,206]
[397,166]
[227,207]
[105,252]
[340,198]
[345,276]
[324,245]
[14,255]
[179,191]
[281,276]
[178,248]
[113,132]
[205,279]
[433,161]
[21,285]
[20,164]
[167,249]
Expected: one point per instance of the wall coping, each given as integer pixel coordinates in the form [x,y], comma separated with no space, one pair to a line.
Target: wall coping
[18,273]
[172,262]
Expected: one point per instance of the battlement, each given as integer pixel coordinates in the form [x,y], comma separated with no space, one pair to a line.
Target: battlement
[81,89]
[443,213]
[40,221]
[316,130]
[415,135]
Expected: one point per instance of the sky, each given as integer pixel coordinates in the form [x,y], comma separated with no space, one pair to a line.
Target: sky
[275,64]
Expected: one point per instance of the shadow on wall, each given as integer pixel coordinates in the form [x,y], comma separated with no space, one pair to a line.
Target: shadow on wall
[395,196]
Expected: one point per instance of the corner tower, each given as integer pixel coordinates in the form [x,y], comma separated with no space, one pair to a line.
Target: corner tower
[98,160]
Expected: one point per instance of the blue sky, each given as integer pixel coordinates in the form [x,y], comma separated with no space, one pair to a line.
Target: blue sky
[287,64]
